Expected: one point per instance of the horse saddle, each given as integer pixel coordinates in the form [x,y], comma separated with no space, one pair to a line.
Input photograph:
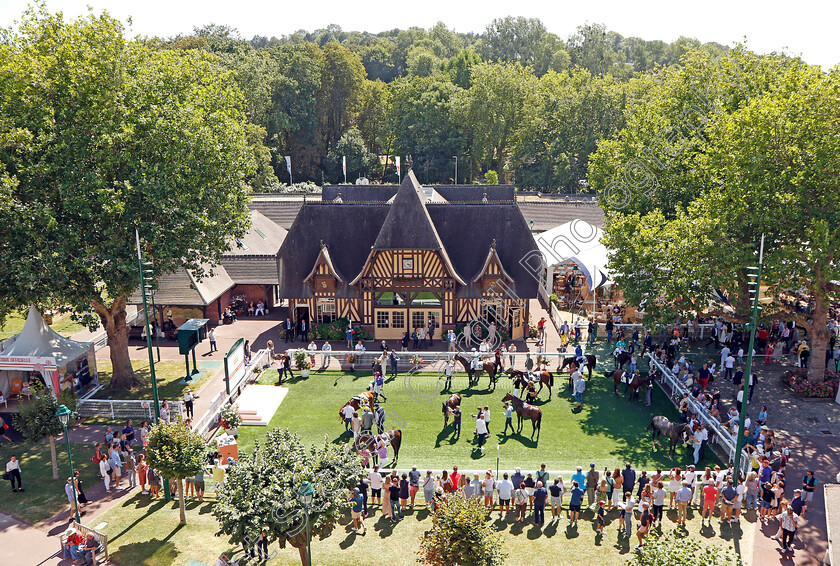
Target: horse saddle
[626,378]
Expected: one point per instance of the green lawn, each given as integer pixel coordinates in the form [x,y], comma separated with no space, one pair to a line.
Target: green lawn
[44,497]
[63,325]
[143,532]
[609,430]
[168,374]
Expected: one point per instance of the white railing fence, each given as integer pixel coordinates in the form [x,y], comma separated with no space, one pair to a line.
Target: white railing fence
[721,434]
[121,409]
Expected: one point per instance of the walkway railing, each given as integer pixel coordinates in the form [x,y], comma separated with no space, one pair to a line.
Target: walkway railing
[721,434]
[121,409]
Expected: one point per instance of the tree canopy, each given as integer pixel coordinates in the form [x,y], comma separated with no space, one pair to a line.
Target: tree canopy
[177,453]
[100,136]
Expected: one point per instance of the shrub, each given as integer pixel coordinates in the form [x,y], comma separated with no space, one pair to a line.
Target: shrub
[461,536]
[676,548]
[797,380]
[302,360]
[337,330]
[230,417]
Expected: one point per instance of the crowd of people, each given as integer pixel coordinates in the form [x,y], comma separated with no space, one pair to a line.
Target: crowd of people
[633,501]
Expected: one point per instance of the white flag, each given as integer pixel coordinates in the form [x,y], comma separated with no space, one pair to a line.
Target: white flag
[398,164]
[289,164]
[344,164]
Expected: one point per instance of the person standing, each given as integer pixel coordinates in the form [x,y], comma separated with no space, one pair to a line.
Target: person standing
[659,501]
[325,355]
[375,480]
[580,387]
[788,521]
[356,509]
[189,399]
[131,468]
[627,515]
[429,488]
[448,368]
[628,476]
[70,491]
[480,430]
[105,472]
[379,417]
[520,501]
[505,489]
[211,335]
[809,484]
[394,496]
[508,418]
[413,484]
[683,499]
[645,521]
[13,469]
[575,501]
[540,495]
[456,421]
[392,357]
[592,477]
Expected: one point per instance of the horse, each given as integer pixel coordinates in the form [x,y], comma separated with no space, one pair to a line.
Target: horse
[618,376]
[620,359]
[674,431]
[357,402]
[370,442]
[453,401]
[525,411]
[546,379]
[590,363]
[472,374]
[636,384]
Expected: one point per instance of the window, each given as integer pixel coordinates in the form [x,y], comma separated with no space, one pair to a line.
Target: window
[418,319]
[326,310]
[397,319]
[382,319]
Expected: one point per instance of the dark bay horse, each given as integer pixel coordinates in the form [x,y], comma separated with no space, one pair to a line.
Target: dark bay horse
[675,432]
[638,383]
[572,361]
[487,366]
[525,411]
[357,402]
[633,384]
[546,379]
[370,442]
[620,359]
[453,401]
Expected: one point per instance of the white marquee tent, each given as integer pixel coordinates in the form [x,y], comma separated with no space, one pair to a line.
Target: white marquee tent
[579,242]
[39,348]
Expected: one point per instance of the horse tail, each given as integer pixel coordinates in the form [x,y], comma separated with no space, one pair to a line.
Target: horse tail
[551,380]
[539,420]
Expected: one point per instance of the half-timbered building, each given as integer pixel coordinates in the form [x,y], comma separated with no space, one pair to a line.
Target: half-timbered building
[415,257]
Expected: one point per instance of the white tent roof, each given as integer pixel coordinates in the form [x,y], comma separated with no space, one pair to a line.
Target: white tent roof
[580,242]
[37,339]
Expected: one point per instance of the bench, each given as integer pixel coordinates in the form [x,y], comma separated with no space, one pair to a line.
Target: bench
[101,538]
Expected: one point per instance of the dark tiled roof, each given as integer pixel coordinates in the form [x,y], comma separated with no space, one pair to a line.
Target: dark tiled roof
[452,193]
[547,215]
[280,211]
[468,230]
[408,225]
[263,238]
[183,288]
[348,230]
[253,270]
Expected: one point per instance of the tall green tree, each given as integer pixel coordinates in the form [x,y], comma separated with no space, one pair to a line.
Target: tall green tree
[260,491]
[100,136]
[513,40]
[38,420]
[360,160]
[177,453]
[342,81]
[491,110]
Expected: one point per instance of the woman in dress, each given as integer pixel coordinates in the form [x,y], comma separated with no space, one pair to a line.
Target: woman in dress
[142,468]
[674,485]
[404,492]
[617,488]
[646,500]
[511,350]
[446,482]
[386,498]
[77,483]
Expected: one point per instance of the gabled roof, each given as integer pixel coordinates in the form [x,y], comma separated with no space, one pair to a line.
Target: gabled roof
[263,238]
[38,340]
[408,225]
[324,259]
[183,288]
[492,258]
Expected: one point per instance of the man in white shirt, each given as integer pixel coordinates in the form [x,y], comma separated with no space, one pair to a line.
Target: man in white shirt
[724,352]
[347,414]
[579,387]
[505,489]
[13,469]
[325,354]
[375,479]
[729,365]
[480,430]
[690,479]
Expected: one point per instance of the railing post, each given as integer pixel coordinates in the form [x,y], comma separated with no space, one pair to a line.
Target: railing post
[112,409]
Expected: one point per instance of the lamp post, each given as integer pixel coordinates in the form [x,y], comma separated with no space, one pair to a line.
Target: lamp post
[456,168]
[63,414]
[305,494]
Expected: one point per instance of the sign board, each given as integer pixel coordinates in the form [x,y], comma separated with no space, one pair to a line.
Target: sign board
[235,365]
[191,333]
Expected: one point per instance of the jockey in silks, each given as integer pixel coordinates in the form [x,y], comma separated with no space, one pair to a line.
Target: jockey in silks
[476,361]
[579,356]
[620,347]
[376,386]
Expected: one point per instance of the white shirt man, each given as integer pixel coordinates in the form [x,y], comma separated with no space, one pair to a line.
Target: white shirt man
[729,361]
[505,489]
[724,352]
[325,354]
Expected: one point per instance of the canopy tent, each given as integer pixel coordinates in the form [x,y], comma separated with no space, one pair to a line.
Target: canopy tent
[39,348]
[579,242]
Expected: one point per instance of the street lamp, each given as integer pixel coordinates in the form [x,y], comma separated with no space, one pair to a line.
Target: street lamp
[305,495]
[63,414]
[456,168]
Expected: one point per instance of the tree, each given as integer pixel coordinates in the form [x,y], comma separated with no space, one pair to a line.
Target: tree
[491,110]
[460,66]
[461,536]
[112,136]
[177,453]
[342,80]
[260,491]
[37,419]
[360,160]
[594,49]
[513,39]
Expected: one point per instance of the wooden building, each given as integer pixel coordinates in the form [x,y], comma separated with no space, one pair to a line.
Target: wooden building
[395,261]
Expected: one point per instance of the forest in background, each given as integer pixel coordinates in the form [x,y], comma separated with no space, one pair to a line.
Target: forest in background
[516,101]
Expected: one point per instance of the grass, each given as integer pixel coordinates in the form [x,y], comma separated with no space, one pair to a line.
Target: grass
[608,430]
[168,374]
[145,532]
[62,324]
[44,496]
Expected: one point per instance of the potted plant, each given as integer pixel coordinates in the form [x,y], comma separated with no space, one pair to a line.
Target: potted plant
[352,359]
[302,362]
[230,419]
[416,361]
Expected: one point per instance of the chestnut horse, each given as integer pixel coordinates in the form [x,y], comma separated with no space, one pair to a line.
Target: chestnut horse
[525,411]
[486,366]
[546,379]
[572,361]
[357,402]
[453,401]
[370,442]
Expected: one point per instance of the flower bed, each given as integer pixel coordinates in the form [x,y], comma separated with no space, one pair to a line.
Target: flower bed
[797,380]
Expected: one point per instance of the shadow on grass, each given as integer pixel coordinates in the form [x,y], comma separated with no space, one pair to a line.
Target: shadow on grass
[445,434]
[140,552]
